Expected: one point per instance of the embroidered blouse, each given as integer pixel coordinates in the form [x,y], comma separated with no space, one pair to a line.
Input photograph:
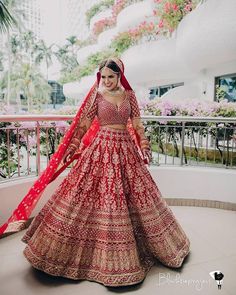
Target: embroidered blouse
[108,113]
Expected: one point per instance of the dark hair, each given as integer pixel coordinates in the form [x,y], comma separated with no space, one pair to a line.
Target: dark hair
[111,65]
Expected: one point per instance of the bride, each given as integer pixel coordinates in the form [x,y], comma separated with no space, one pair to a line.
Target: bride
[107,221]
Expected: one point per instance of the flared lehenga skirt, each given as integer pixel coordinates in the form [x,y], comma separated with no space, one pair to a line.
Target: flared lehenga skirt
[107,221]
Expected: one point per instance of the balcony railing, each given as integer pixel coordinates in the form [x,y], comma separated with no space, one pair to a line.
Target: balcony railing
[25,149]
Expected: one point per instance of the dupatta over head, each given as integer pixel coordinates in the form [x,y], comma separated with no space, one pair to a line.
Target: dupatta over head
[55,166]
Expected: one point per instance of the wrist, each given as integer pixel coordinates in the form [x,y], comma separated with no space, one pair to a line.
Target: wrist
[72,147]
[145,144]
[75,141]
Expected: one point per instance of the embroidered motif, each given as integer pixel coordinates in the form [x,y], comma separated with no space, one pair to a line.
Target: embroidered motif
[107,221]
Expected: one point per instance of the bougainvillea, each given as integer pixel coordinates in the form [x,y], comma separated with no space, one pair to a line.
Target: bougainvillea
[170,12]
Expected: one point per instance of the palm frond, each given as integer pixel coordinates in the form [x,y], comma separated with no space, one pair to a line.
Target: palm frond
[6,19]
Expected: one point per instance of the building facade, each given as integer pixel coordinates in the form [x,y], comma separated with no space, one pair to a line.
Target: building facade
[76,20]
[199,57]
[33,19]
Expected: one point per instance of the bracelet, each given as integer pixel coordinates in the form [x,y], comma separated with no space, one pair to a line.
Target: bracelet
[75,143]
[76,139]
[144,143]
[145,148]
[73,146]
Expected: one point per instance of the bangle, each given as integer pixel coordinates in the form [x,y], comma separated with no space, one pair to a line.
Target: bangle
[144,140]
[74,142]
[145,146]
[73,146]
[144,143]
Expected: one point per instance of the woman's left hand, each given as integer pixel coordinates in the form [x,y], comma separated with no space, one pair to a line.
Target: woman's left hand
[147,155]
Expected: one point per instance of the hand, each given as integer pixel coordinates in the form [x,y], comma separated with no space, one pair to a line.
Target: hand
[69,154]
[147,155]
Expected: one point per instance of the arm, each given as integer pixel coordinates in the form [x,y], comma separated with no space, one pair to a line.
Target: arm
[138,126]
[80,131]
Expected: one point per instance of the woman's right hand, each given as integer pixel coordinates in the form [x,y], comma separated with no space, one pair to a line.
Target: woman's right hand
[69,154]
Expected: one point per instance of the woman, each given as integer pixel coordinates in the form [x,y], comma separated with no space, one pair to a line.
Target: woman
[107,221]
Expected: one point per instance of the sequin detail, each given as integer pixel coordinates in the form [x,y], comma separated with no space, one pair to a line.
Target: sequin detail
[108,113]
[107,221]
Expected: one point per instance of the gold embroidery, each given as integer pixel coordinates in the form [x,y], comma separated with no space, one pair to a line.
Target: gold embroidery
[107,221]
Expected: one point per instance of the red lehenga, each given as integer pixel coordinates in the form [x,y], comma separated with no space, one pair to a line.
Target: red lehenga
[107,221]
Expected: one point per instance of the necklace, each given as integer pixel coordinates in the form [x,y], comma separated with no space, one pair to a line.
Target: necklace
[116,92]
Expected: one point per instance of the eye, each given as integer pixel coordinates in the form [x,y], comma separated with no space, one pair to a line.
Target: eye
[111,76]
[103,77]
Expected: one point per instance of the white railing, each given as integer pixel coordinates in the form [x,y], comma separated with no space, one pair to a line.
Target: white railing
[184,141]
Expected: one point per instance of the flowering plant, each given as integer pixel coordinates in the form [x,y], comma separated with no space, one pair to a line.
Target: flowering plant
[171,12]
[98,8]
[109,22]
[167,136]
[194,107]
[103,24]
[125,39]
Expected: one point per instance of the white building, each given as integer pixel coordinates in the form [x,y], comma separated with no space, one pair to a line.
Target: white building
[33,20]
[200,53]
[76,20]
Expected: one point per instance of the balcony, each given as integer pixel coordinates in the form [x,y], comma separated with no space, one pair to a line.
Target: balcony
[174,157]
[206,36]
[84,52]
[194,188]
[99,16]
[133,15]
[104,39]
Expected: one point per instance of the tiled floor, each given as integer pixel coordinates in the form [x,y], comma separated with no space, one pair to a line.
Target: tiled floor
[213,247]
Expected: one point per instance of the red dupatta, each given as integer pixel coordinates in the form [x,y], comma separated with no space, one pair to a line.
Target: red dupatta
[55,167]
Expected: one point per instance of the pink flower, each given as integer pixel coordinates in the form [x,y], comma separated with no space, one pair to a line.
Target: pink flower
[61,126]
[188,8]
[155,12]
[32,141]
[161,24]
[175,7]
[29,125]
[167,7]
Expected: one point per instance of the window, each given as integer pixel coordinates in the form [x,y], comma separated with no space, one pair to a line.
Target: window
[160,90]
[225,88]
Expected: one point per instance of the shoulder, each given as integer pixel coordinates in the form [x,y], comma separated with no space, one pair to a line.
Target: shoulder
[98,95]
[130,93]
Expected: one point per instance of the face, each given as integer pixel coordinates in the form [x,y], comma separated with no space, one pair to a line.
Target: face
[109,79]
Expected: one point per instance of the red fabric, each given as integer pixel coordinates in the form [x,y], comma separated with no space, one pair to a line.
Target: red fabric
[113,221]
[26,206]
[22,213]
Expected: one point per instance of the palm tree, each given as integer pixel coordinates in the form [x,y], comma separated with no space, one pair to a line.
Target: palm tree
[44,53]
[28,44]
[12,7]
[67,54]
[16,49]
[32,85]
[68,61]
[1,61]
[6,19]
[72,44]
